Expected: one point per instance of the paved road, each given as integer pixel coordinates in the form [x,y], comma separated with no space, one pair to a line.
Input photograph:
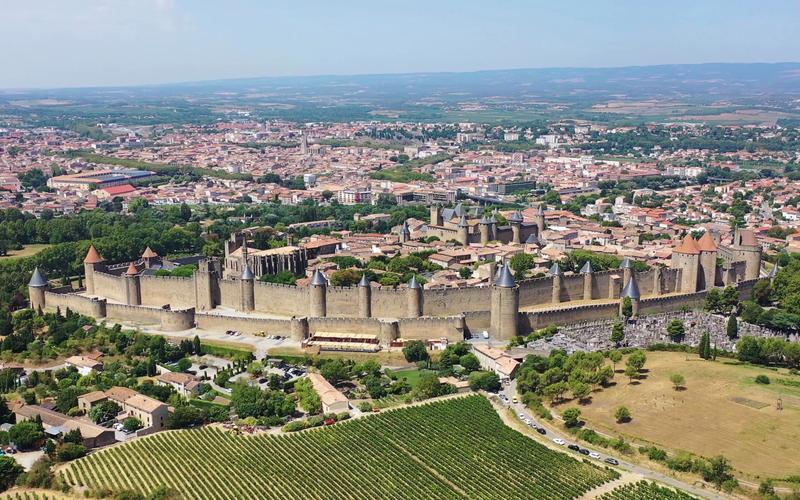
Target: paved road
[510,391]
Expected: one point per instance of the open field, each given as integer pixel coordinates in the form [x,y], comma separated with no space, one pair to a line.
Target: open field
[721,411]
[26,251]
[412,375]
[447,449]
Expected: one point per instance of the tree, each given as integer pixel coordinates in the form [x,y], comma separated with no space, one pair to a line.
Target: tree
[615,357]
[762,291]
[617,333]
[6,416]
[197,347]
[521,263]
[677,380]
[733,327]
[185,416]
[73,436]
[631,372]
[26,434]
[676,330]
[580,390]
[704,349]
[346,277]
[718,471]
[713,300]
[627,307]
[469,362]
[9,471]
[131,424]
[571,417]
[105,411]
[415,351]
[430,387]
[483,380]
[70,451]
[637,359]
[335,371]
[184,364]
[465,273]
[622,415]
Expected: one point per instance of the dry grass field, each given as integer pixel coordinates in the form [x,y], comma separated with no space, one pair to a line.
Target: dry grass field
[26,251]
[721,411]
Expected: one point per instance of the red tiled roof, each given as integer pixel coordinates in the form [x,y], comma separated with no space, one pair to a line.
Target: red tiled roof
[688,246]
[117,190]
[92,256]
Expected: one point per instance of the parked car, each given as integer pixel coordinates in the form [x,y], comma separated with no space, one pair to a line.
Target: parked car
[583,451]
[595,455]
[574,447]
[541,430]
[612,461]
[559,441]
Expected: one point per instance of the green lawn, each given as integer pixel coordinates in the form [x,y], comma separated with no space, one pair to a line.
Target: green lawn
[411,374]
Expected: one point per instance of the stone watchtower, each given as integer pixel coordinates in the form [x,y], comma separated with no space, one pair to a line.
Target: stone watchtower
[91,263]
[414,304]
[248,292]
[133,291]
[206,282]
[540,220]
[405,233]
[746,248]
[516,227]
[588,279]
[486,230]
[149,257]
[627,269]
[557,274]
[364,297]
[318,298]
[707,261]
[463,231]
[686,258]
[36,288]
[504,305]
[436,215]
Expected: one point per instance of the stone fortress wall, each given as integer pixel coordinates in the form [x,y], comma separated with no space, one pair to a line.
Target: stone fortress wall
[504,307]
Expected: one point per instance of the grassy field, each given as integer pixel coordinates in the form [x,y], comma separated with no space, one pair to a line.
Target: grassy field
[385,358]
[455,448]
[412,375]
[26,251]
[721,411]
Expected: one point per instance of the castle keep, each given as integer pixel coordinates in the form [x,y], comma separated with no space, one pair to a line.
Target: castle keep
[219,297]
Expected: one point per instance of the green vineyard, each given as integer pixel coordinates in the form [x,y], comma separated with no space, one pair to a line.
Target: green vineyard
[457,448]
[644,490]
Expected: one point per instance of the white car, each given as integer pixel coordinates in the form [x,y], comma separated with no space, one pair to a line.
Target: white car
[559,441]
[595,455]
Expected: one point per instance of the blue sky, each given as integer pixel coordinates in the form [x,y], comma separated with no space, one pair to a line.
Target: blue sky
[49,43]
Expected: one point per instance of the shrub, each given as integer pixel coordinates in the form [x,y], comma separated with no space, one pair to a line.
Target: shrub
[70,451]
[762,379]
[365,406]
[571,417]
[622,414]
[297,425]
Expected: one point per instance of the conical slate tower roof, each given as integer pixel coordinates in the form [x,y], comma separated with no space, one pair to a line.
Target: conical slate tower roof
[319,279]
[541,209]
[532,239]
[587,268]
[413,283]
[364,280]
[515,217]
[92,256]
[405,229]
[631,290]
[506,279]
[37,279]
[627,263]
[247,274]
[555,270]
[463,222]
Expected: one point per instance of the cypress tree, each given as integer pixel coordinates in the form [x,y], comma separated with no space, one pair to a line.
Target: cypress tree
[733,327]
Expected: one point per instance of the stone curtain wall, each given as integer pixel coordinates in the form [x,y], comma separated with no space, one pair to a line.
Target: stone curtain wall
[160,290]
[110,286]
[648,330]
[450,301]
[534,320]
[206,321]
[283,300]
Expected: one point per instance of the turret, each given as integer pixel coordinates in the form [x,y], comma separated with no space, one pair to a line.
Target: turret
[91,263]
[414,304]
[36,290]
[149,257]
[248,292]
[540,219]
[588,278]
[133,292]
[318,295]
[436,215]
[405,233]
[627,267]
[708,261]
[485,230]
[631,291]
[557,275]
[364,297]
[516,226]
[463,231]
[505,306]
[686,258]
[656,280]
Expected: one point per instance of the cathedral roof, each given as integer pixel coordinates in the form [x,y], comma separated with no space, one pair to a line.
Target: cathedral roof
[688,246]
[37,279]
[92,256]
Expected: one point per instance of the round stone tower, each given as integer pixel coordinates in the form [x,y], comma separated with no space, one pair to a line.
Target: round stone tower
[463,231]
[588,279]
[248,291]
[516,227]
[91,263]
[36,288]
[414,293]
[318,295]
[631,291]
[133,291]
[364,297]
[504,306]
[557,274]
